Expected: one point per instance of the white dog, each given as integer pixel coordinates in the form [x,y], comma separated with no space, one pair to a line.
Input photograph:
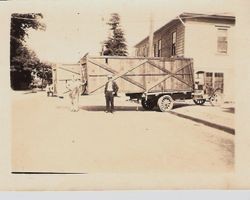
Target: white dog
[74,93]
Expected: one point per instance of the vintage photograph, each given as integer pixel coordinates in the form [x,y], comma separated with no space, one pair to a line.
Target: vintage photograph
[123,87]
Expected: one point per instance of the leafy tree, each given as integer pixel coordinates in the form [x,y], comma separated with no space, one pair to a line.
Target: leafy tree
[24,62]
[115,45]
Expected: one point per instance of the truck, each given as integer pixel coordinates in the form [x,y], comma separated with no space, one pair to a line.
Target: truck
[156,81]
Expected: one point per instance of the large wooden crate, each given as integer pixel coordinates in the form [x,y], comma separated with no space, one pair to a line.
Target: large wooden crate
[62,74]
[139,74]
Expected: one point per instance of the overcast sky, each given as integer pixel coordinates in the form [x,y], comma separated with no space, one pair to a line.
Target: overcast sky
[77,27]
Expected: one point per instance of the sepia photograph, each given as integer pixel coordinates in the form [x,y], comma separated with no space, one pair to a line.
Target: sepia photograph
[123,87]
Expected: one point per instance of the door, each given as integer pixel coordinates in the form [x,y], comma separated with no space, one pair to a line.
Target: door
[219,81]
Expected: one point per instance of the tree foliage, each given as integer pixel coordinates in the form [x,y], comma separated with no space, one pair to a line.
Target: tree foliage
[115,45]
[24,62]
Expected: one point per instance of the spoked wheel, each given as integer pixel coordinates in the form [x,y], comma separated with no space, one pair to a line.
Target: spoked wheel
[165,103]
[147,104]
[217,98]
[199,101]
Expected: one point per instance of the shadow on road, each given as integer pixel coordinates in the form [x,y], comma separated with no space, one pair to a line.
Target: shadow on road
[102,108]
[33,91]
[133,108]
[180,105]
[229,110]
[117,108]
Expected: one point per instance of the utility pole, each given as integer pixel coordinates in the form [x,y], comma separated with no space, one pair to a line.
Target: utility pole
[151,37]
[103,28]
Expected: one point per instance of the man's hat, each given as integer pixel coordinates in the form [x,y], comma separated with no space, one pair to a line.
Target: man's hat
[109,75]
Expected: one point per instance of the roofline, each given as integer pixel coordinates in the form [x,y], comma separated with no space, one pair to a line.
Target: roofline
[210,16]
[146,38]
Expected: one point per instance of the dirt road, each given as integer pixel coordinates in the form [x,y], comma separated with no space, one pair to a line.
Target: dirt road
[47,137]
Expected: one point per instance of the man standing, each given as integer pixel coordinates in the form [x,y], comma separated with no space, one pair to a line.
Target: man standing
[110,90]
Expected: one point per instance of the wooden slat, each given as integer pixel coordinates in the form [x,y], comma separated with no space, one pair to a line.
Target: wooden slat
[126,75]
[159,67]
[131,69]
[69,70]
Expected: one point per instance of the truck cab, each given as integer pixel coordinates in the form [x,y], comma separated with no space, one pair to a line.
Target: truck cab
[208,87]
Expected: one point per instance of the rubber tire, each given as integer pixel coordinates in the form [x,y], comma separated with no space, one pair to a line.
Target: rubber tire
[147,104]
[165,103]
[216,99]
[199,101]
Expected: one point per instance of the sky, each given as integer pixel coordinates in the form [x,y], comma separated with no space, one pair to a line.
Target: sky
[76,27]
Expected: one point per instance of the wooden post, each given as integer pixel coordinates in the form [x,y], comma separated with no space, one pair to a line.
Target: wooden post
[151,37]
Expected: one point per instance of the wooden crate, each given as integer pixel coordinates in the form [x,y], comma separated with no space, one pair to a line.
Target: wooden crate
[64,73]
[132,74]
[138,74]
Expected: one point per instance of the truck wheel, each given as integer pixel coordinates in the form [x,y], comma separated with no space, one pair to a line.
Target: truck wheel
[216,99]
[147,104]
[165,103]
[199,101]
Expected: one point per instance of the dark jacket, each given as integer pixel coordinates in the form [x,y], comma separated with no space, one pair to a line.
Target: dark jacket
[114,86]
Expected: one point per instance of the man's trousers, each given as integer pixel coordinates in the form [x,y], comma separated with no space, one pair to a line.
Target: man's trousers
[109,101]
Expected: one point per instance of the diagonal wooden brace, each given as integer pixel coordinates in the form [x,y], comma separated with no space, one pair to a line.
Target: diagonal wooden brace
[159,67]
[118,75]
[170,74]
[69,70]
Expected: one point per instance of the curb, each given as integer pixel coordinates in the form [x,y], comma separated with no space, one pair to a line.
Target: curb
[206,123]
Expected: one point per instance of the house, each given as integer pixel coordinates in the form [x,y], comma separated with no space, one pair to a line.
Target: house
[208,39]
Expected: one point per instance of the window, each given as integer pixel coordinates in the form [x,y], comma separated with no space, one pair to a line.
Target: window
[219,81]
[159,48]
[217,74]
[139,52]
[173,47]
[154,50]
[222,41]
[209,74]
[144,54]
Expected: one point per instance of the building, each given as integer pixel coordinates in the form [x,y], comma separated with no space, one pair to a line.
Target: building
[208,39]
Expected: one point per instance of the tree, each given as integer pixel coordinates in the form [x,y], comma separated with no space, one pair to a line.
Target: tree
[24,61]
[115,45]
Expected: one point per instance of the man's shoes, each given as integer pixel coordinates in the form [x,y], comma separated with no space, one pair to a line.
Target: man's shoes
[106,111]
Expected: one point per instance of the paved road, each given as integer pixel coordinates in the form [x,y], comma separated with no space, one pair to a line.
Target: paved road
[46,136]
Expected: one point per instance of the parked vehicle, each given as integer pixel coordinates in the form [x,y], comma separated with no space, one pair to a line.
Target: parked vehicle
[206,90]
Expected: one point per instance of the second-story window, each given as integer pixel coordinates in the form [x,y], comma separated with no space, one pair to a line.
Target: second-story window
[222,41]
[159,48]
[144,51]
[173,47]
[147,51]
[155,50]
